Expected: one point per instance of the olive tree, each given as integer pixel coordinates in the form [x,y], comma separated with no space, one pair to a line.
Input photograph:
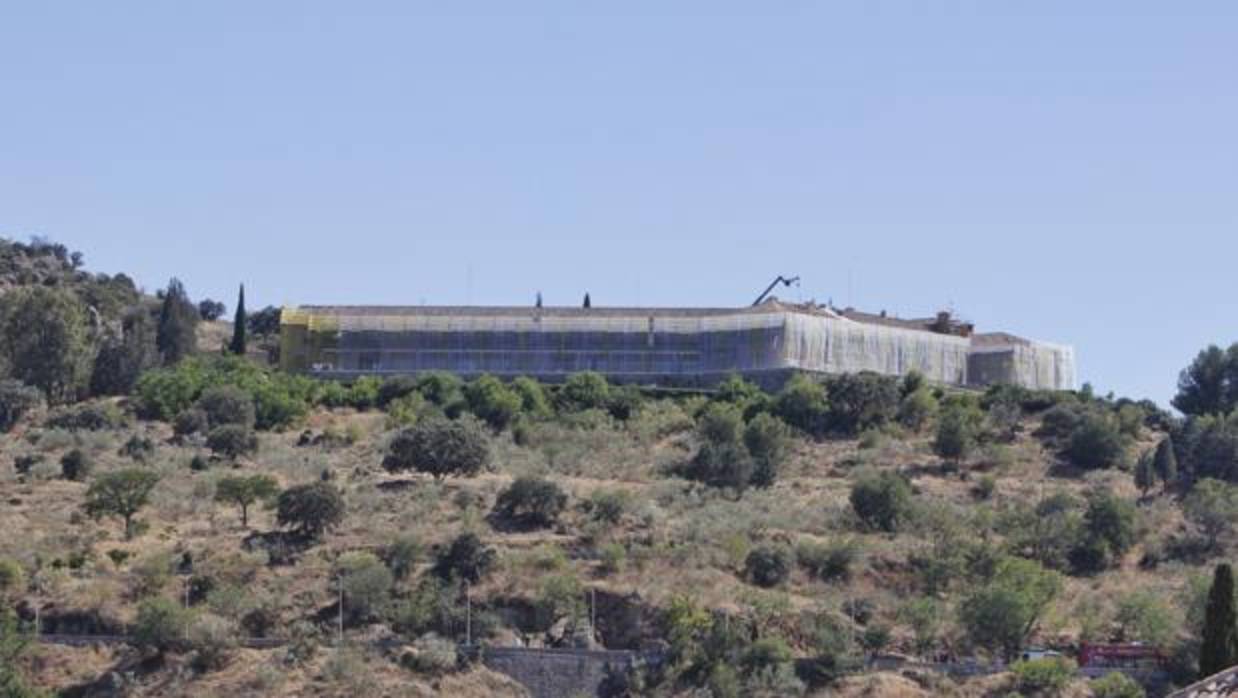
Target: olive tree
[440,448]
[121,493]
[310,509]
[244,491]
[1002,613]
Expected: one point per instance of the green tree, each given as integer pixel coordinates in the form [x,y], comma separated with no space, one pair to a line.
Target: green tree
[440,448]
[120,493]
[1109,531]
[228,404]
[237,345]
[923,616]
[310,509]
[1145,473]
[768,440]
[768,566]
[956,432]
[122,358]
[494,403]
[531,501]
[1096,442]
[1210,384]
[466,558]
[1219,650]
[244,491]
[1166,462]
[1142,616]
[804,404]
[584,391]
[366,583]
[44,341]
[1212,506]
[1002,613]
[176,335]
[882,500]
[1047,676]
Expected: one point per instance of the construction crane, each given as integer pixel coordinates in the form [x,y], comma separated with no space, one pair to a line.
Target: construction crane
[780,280]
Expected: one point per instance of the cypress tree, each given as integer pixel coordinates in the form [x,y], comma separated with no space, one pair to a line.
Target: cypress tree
[539,299]
[237,346]
[176,336]
[1219,650]
[1145,474]
[1166,461]
[588,303]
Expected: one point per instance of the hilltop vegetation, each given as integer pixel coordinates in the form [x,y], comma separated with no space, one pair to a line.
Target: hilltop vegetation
[180,490]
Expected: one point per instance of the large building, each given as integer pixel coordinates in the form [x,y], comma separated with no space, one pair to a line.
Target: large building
[667,347]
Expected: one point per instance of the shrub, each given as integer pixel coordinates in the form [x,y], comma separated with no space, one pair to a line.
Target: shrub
[442,389]
[624,402]
[232,440]
[533,401]
[1143,616]
[608,505]
[1047,676]
[767,566]
[803,403]
[366,583]
[1001,614]
[191,421]
[767,439]
[530,501]
[1110,520]
[75,465]
[1096,443]
[310,509]
[881,500]
[121,493]
[917,408]
[401,556]
[584,391]
[723,460]
[439,448]
[860,401]
[1116,685]
[93,417]
[160,624]
[12,580]
[494,403]
[212,640]
[394,388]
[956,432]
[827,561]
[139,448]
[466,558]
[612,557]
[16,399]
[227,404]
[431,654]
[985,487]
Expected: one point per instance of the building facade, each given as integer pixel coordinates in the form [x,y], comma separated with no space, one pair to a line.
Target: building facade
[665,347]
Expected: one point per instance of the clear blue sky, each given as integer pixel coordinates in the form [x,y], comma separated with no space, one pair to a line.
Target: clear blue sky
[1063,170]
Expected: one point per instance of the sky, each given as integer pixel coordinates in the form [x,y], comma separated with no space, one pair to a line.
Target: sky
[1062,170]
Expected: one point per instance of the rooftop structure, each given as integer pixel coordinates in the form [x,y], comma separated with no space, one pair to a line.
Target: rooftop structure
[666,347]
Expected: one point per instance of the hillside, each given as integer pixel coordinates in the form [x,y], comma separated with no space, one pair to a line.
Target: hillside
[762,543]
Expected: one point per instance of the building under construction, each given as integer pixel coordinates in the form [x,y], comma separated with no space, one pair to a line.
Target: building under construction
[664,347]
